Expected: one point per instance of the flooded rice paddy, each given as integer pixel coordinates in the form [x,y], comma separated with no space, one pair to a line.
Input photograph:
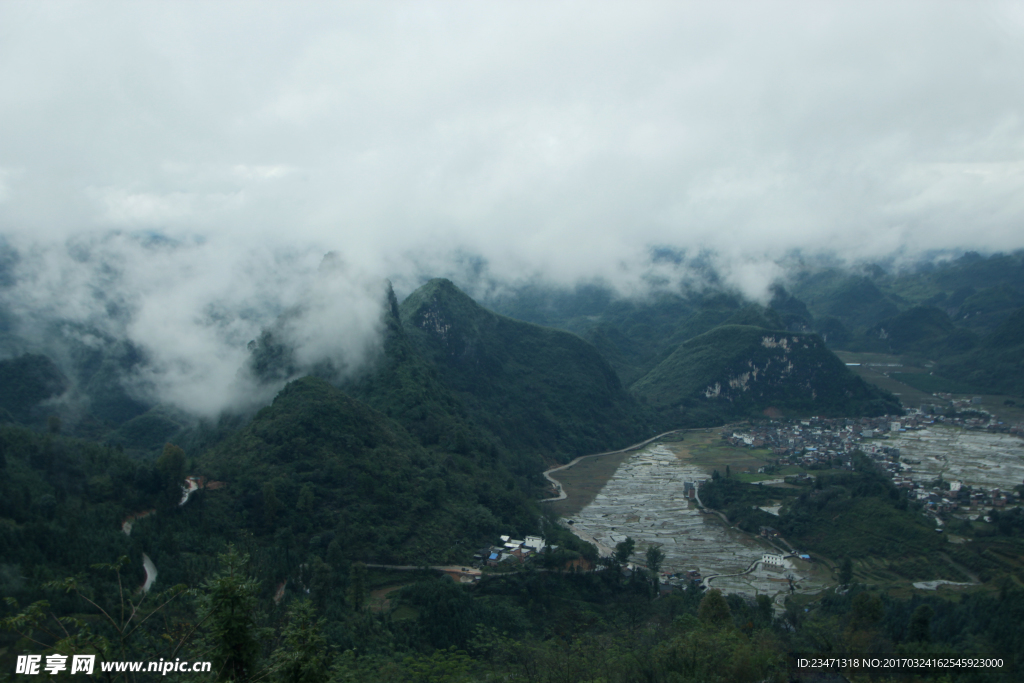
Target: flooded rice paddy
[645,501]
[972,457]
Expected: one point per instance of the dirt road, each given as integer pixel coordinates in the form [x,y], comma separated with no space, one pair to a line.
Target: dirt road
[562,495]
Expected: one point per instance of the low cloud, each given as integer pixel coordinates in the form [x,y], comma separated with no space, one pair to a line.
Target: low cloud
[174,173]
[190,308]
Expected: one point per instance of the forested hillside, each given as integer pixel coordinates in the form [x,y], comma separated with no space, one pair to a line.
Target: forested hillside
[324,462]
[741,370]
[996,362]
[536,389]
[939,311]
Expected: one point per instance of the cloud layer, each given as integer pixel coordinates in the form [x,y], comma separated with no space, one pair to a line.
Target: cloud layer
[559,141]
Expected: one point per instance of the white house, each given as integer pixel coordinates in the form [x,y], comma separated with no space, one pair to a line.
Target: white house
[534,543]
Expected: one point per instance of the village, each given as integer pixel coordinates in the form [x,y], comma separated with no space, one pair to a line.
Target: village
[828,443]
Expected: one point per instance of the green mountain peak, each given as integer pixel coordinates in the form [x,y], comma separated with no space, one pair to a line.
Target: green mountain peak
[742,370]
[535,388]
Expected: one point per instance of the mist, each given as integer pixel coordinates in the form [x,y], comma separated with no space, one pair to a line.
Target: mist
[173,174]
[190,308]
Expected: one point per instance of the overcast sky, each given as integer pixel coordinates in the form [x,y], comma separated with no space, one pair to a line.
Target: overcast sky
[559,140]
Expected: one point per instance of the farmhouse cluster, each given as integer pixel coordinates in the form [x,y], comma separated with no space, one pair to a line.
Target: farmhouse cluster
[510,550]
[818,440]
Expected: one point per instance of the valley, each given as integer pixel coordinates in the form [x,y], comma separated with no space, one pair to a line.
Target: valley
[645,496]
[916,384]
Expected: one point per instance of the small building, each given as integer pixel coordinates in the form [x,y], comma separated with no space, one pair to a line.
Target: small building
[534,543]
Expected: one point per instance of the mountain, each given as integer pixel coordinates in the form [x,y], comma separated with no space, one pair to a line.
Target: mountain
[77,375]
[982,311]
[632,334]
[405,387]
[534,388]
[743,370]
[996,364]
[977,292]
[319,461]
[922,330]
[756,316]
[856,300]
[795,315]
[25,383]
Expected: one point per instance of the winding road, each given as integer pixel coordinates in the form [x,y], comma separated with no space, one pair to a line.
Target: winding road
[191,486]
[562,495]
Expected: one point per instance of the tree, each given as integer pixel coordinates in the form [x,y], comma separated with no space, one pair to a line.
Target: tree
[271,505]
[123,632]
[335,557]
[714,611]
[624,549]
[921,624]
[655,556]
[846,572]
[321,582]
[357,586]
[171,465]
[303,655]
[867,610]
[764,609]
[228,610]
[304,507]
[307,499]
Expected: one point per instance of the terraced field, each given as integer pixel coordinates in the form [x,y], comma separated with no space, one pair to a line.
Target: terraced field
[973,457]
[644,499]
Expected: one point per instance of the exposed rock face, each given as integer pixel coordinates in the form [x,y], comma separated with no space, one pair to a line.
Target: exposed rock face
[737,370]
